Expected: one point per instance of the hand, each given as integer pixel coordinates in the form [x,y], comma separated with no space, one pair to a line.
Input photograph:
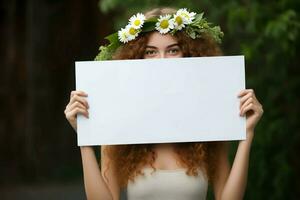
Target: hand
[76,105]
[250,106]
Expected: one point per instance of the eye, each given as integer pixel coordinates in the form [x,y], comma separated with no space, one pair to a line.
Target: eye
[150,52]
[173,50]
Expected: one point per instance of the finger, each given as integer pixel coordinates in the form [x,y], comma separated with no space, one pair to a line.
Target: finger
[245,98]
[80,99]
[73,113]
[245,104]
[247,108]
[244,92]
[79,93]
[76,104]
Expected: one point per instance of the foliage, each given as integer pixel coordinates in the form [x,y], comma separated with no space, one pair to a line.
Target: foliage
[200,26]
[267,33]
[107,50]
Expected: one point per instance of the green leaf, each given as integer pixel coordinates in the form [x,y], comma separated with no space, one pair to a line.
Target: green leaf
[106,52]
[113,38]
[149,26]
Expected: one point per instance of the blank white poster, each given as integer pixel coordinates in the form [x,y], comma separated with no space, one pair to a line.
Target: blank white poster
[161,100]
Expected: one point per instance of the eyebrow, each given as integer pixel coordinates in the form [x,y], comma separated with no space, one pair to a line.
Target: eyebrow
[153,47]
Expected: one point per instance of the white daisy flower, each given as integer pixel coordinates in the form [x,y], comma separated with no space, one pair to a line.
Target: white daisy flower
[164,24]
[123,35]
[132,32]
[178,22]
[186,16]
[137,20]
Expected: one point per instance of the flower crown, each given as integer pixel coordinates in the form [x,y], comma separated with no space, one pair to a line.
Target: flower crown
[192,23]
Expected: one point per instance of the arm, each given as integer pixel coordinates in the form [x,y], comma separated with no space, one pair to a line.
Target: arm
[95,185]
[231,184]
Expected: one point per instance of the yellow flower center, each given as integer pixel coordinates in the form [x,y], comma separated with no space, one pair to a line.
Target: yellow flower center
[132,31]
[164,24]
[137,22]
[178,20]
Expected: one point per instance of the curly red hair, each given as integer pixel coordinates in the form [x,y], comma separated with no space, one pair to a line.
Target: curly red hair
[128,160]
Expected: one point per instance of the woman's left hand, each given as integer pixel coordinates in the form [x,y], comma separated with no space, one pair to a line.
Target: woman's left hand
[250,106]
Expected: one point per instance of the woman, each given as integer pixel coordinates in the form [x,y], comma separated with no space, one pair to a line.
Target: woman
[174,170]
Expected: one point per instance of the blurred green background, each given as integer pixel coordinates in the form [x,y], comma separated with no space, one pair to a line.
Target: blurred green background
[41,40]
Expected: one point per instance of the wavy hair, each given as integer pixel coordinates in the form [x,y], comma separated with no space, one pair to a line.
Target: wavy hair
[128,160]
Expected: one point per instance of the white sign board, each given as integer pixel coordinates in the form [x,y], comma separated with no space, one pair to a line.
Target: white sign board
[161,100]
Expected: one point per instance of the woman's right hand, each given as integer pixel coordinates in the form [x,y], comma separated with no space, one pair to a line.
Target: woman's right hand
[77,105]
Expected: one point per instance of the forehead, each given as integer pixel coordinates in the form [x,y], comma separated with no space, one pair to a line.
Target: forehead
[161,40]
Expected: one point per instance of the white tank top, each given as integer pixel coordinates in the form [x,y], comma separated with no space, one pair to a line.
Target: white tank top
[167,185]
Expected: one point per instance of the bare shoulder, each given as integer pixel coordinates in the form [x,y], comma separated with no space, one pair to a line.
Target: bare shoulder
[108,173]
